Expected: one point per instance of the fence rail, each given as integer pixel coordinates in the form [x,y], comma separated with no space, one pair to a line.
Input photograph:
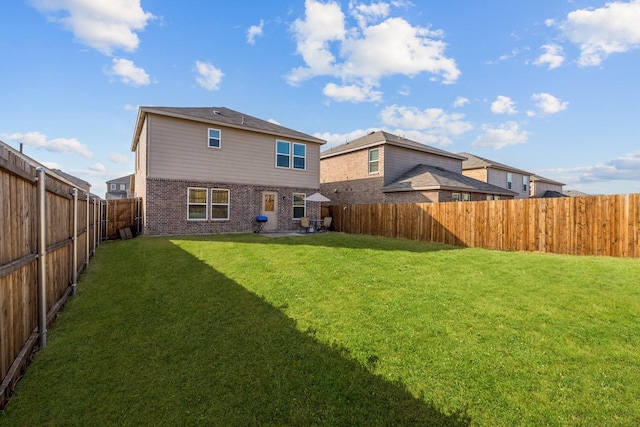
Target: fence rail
[594,225]
[39,265]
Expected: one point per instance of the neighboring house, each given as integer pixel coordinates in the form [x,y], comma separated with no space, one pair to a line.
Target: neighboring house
[496,173]
[545,187]
[385,168]
[120,188]
[213,170]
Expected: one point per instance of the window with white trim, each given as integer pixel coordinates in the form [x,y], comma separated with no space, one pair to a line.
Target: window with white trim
[299,156]
[123,187]
[113,187]
[197,204]
[283,154]
[466,197]
[525,183]
[219,204]
[299,205]
[374,160]
[455,197]
[215,138]
[509,180]
[489,196]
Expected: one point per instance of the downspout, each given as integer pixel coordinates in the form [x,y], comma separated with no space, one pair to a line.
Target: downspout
[42,255]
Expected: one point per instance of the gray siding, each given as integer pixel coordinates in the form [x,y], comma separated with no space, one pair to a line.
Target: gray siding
[180,151]
[398,160]
[499,177]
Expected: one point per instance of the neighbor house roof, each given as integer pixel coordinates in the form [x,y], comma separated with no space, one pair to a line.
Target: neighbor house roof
[123,179]
[549,194]
[538,178]
[426,177]
[381,137]
[575,193]
[221,116]
[477,162]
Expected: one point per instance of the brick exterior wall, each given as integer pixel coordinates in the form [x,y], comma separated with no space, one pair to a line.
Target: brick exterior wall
[166,208]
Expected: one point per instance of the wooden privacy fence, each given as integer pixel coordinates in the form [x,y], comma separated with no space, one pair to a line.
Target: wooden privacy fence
[594,225]
[118,214]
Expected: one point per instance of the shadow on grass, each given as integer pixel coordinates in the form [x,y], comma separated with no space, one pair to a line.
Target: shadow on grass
[156,336]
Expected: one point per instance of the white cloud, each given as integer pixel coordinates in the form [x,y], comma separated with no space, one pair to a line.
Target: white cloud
[506,134]
[600,32]
[624,168]
[274,121]
[57,145]
[128,72]
[362,55]
[119,158]
[503,105]
[129,107]
[254,31]
[365,14]
[553,56]
[431,125]
[548,103]
[209,77]
[351,93]
[460,101]
[104,25]
[334,139]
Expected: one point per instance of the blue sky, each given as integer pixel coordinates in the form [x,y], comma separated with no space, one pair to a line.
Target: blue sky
[549,86]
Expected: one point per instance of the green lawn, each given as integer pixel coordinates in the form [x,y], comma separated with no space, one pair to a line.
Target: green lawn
[335,329]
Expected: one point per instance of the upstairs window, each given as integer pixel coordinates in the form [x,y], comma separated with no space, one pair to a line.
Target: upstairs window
[214,138]
[197,204]
[283,154]
[299,205]
[374,160]
[509,180]
[219,204]
[123,187]
[288,159]
[299,156]
[112,187]
[525,184]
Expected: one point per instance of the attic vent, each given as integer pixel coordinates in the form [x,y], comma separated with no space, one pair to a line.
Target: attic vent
[216,112]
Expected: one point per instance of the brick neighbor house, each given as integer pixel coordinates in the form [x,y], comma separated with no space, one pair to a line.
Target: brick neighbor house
[384,168]
[499,174]
[213,170]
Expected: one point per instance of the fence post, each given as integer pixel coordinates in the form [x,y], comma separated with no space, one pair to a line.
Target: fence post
[86,261]
[75,242]
[99,221]
[95,225]
[42,255]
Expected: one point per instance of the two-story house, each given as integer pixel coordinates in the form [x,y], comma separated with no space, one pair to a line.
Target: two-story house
[384,168]
[214,170]
[498,174]
[120,188]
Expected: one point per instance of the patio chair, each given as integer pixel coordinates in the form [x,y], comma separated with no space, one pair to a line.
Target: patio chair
[305,224]
[326,223]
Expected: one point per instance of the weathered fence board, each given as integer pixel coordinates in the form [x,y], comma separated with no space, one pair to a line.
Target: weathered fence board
[594,225]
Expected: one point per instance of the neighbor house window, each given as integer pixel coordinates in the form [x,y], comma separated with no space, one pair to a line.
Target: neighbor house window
[113,187]
[489,197]
[374,160]
[299,156]
[283,154]
[525,184]
[466,197]
[214,138]
[455,197]
[123,187]
[509,180]
[497,197]
[299,205]
[197,203]
[219,204]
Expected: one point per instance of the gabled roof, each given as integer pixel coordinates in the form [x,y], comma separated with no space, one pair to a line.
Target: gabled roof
[381,137]
[426,177]
[122,179]
[221,116]
[477,162]
[538,178]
